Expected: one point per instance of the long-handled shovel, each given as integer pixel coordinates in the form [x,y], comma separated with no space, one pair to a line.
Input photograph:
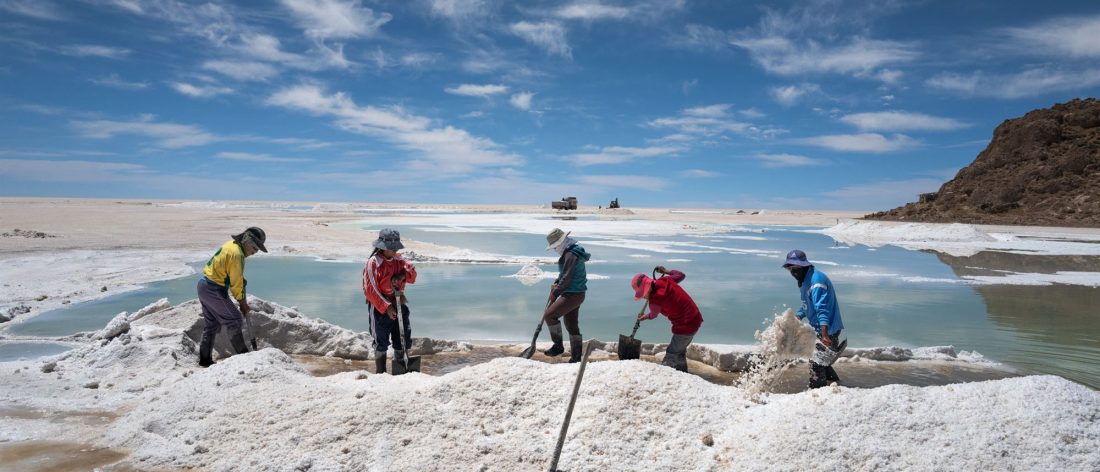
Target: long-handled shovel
[251,332]
[630,348]
[527,353]
[409,363]
[569,411]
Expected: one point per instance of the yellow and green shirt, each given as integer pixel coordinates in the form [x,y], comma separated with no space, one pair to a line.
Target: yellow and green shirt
[226,268]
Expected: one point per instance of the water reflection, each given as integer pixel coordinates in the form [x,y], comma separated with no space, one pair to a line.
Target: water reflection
[1054,328]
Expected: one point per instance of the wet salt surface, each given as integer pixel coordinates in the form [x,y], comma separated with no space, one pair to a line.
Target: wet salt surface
[57,456]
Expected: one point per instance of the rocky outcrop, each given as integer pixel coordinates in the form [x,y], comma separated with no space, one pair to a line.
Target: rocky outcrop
[1041,169]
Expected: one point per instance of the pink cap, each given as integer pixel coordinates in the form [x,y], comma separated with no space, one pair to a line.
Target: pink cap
[641,284]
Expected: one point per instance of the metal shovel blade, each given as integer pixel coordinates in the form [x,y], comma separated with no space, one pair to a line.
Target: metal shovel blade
[408,364]
[629,348]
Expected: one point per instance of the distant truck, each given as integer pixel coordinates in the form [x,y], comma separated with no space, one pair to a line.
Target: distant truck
[566,203]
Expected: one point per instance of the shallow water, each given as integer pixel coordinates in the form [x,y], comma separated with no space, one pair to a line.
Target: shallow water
[888,296]
[13,351]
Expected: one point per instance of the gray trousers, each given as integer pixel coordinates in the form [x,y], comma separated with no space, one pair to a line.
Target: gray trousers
[217,308]
[676,353]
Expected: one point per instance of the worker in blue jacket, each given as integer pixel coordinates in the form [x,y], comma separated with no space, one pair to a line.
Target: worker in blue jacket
[819,308]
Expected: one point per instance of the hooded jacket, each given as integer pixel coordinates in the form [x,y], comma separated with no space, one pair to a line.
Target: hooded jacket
[819,305]
[668,298]
[376,279]
[572,276]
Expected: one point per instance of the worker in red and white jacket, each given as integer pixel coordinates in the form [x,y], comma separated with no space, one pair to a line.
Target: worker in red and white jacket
[385,271]
[665,296]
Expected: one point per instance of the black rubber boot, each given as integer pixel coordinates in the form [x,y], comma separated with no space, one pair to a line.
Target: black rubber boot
[830,375]
[817,376]
[555,334]
[576,348]
[206,348]
[380,363]
[236,338]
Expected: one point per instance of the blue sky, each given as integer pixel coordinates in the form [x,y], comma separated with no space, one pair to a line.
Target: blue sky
[811,105]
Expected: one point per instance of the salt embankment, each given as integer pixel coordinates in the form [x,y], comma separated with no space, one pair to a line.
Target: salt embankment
[262,411]
[964,240]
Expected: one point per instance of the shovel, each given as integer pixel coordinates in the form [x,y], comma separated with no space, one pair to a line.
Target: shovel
[527,353]
[408,364]
[630,348]
[251,332]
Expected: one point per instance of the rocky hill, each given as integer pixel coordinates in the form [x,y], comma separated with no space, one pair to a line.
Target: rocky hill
[1040,169]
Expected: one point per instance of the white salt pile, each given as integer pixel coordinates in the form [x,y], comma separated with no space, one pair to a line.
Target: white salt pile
[529,274]
[785,342]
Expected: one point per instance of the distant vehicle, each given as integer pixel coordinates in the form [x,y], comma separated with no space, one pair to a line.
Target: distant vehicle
[566,203]
[614,203]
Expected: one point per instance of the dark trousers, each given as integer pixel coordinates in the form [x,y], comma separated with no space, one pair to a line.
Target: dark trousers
[568,305]
[821,375]
[217,309]
[384,330]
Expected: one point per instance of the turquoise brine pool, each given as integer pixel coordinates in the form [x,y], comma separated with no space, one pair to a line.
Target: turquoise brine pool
[888,296]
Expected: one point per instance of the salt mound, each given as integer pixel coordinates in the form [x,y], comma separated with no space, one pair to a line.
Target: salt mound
[529,275]
[786,341]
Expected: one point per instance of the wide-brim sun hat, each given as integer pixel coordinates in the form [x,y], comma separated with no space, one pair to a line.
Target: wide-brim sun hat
[796,258]
[389,240]
[556,237]
[641,284]
[258,237]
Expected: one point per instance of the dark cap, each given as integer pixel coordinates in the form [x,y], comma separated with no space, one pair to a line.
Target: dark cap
[389,240]
[796,258]
[258,237]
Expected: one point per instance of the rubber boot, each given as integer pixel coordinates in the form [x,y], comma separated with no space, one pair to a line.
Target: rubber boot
[555,334]
[379,362]
[236,338]
[830,375]
[206,348]
[576,348]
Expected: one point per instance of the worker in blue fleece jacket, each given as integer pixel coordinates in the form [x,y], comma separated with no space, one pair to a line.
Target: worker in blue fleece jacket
[819,308]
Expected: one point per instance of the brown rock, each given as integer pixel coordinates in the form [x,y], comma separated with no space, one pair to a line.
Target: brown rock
[1040,169]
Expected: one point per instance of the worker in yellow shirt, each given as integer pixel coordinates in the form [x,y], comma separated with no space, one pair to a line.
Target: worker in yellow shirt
[224,274]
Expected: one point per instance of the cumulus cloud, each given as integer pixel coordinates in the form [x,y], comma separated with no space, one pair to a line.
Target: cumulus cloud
[1075,37]
[788,160]
[114,81]
[337,19]
[522,100]
[441,149]
[789,95]
[95,50]
[901,121]
[473,90]
[591,11]
[1029,83]
[621,154]
[546,35]
[199,91]
[242,70]
[168,135]
[865,142]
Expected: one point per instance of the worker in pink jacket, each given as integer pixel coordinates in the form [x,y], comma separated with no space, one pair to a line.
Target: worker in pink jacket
[665,296]
[385,271]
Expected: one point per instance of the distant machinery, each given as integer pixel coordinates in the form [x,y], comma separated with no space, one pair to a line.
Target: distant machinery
[566,203]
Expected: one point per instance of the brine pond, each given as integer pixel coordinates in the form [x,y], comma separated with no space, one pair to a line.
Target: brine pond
[888,296]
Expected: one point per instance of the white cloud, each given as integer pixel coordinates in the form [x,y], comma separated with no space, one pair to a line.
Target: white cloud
[198,91]
[522,100]
[169,135]
[688,85]
[547,35]
[94,50]
[859,57]
[242,70]
[621,154]
[901,121]
[133,6]
[788,160]
[336,18]
[1077,37]
[251,157]
[444,149]
[591,11]
[791,94]
[751,113]
[699,173]
[459,10]
[472,90]
[627,181]
[40,9]
[115,81]
[710,111]
[1029,83]
[865,142]
[709,121]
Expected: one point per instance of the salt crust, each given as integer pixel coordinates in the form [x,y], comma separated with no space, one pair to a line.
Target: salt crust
[960,239]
